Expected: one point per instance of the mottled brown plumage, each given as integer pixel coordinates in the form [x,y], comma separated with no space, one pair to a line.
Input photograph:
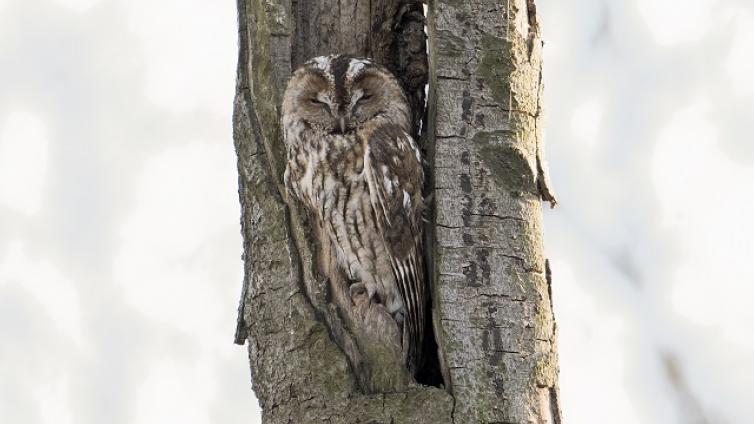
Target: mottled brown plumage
[356,169]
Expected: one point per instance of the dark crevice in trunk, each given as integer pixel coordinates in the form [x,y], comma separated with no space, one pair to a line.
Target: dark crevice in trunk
[398,41]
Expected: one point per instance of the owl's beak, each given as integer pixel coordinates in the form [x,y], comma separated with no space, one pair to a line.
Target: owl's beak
[342,124]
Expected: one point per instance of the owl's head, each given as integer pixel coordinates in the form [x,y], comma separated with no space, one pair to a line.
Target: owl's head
[337,94]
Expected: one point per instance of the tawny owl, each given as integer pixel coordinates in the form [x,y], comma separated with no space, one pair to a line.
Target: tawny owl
[354,165]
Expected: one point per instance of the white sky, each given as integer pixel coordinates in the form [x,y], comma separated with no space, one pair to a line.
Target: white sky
[648,135]
[115,139]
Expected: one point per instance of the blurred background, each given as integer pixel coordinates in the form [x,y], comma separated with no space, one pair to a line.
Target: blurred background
[120,249]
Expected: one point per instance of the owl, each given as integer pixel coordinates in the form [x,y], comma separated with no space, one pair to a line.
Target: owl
[353,164]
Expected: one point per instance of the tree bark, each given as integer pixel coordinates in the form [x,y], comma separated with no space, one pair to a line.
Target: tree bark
[491,301]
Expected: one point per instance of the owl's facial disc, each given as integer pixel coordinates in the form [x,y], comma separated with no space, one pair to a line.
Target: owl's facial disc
[316,105]
[339,94]
[366,97]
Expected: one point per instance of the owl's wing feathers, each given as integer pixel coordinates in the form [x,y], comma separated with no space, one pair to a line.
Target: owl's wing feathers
[395,178]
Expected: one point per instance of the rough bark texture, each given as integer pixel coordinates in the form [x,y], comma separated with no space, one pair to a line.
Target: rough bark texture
[492,308]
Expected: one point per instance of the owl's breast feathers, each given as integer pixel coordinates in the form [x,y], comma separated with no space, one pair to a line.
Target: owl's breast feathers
[381,155]
[365,189]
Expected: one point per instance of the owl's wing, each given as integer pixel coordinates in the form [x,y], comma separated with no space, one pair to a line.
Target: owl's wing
[395,177]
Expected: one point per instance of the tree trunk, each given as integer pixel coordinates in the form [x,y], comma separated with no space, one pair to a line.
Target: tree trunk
[490,282]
